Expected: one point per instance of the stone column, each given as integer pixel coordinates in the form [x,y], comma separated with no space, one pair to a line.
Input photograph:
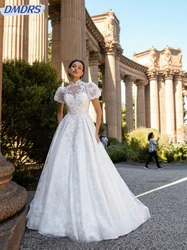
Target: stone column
[73,33]
[12,196]
[141,103]
[54,13]
[38,34]
[129,81]
[1,52]
[154,104]
[118,95]
[26,37]
[93,77]
[14,34]
[162,103]
[110,90]
[102,69]
[179,114]
[169,102]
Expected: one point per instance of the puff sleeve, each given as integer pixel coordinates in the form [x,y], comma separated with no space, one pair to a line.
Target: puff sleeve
[59,95]
[92,90]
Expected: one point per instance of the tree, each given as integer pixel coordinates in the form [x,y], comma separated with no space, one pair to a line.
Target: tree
[28,110]
[49,46]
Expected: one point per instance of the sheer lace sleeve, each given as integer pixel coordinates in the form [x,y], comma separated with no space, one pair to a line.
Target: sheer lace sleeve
[59,95]
[92,90]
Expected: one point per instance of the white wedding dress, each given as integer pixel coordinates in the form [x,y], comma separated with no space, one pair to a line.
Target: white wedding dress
[80,194]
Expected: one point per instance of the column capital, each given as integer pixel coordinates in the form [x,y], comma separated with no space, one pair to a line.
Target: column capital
[178,75]
[54,13]
[152,74]
[140,82]
[94,58]
[129,80]
[168,73]
[113,47]
[119,50]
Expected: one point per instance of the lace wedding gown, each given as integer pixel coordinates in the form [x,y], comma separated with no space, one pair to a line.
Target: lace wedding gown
[80,193]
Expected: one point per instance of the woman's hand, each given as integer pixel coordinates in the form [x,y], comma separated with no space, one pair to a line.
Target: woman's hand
[97,139]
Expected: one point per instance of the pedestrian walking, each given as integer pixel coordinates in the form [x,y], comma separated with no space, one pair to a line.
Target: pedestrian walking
[152,151]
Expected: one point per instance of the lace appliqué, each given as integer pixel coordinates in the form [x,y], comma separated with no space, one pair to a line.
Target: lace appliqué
[93,91]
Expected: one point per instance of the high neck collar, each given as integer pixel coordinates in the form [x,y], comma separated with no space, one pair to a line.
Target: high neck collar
[75,83]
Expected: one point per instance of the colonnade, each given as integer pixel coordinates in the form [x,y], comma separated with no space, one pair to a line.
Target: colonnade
[28,35]
[158,94]
[166,105]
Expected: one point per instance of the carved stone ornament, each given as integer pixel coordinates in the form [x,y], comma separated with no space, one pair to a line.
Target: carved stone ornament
[167,55]
[180,55]
[152,57]
[168,73]
[140,82]
[94,58]
[110,46]
[152,74]
[129,80]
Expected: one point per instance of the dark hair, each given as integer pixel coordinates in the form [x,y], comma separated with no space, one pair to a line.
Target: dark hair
[77,60]
[150,136]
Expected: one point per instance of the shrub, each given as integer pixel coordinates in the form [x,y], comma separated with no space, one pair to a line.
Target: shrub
[112,141]
[116,153]
[28,110]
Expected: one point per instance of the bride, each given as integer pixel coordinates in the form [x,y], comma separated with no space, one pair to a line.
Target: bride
[80,194]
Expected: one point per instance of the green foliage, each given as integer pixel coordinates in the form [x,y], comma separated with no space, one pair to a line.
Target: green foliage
[112,141]
[137,141]
[28,110]
[101,129]
[176,153]
[116,152]
[169,155]
[49,46]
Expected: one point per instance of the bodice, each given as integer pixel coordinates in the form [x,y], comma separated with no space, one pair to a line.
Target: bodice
[77,96]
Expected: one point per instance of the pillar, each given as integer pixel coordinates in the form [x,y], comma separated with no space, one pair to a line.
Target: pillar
[169,102]
[38,34]
[14,34]
[162,103]
[93,77]
[118,97]
[73,33]
[154,103]
[129,81]
[179,114]
[110,92]
[141,103]
[12,196]
[54,12]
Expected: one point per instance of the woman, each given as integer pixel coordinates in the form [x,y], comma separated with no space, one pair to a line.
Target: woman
[152,151]
[80,193]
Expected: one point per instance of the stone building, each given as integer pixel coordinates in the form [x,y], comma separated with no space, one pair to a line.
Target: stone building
[154,79]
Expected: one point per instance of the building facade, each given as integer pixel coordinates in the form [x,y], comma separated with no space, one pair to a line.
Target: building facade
[154,80]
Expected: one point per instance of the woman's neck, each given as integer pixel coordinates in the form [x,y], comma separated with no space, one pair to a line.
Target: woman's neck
[74,79]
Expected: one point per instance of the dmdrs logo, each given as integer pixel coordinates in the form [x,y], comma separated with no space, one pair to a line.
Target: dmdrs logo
[22,10]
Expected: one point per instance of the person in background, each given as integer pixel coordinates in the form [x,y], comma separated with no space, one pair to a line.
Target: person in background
[104,140]
[152,151]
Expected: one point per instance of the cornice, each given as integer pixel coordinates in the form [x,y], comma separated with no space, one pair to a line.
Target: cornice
[133,64]
[94,30]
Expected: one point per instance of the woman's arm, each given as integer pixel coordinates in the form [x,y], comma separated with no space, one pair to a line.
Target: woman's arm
[98,111]
[60,112]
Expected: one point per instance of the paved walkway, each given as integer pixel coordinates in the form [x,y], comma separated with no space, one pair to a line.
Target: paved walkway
[164,192]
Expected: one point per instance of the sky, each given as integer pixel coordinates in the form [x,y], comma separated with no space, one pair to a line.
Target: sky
[147,23]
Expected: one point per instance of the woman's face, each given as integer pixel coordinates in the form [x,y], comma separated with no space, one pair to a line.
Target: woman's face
[76,70]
